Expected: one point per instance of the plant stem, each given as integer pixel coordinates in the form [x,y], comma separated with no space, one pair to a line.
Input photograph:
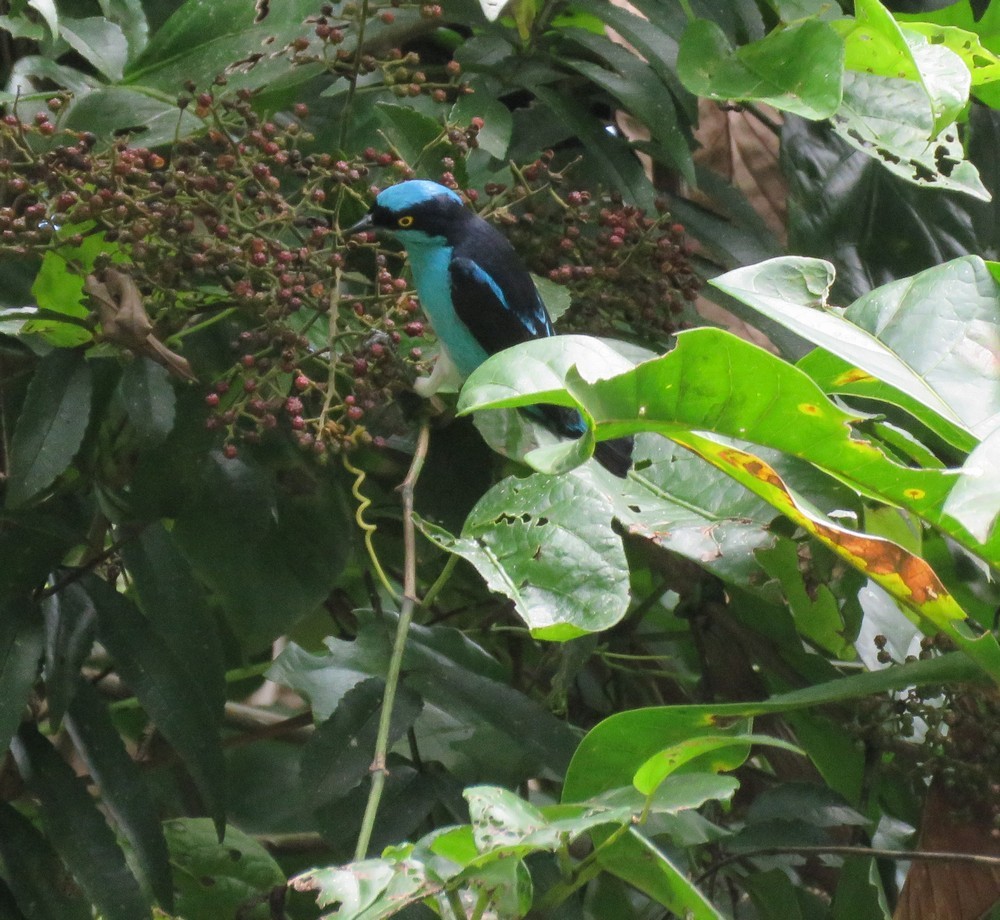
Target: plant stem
[378,769]
[874,852]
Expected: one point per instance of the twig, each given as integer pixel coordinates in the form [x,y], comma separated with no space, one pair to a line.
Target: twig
[874,852]
[378,768]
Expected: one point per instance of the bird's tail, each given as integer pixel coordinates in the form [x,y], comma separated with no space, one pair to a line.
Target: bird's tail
[615,456]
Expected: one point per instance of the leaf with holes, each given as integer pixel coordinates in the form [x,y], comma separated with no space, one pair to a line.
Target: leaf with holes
[547,543]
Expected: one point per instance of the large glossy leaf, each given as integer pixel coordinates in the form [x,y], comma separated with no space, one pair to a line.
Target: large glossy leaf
[123,789]
[874,226]
[20,652]
[77,830]
[51,426]
[39,882]
[797,68]
[638,861]
[945,322]
[794,291]
[145,116]
[163,686]
[975,500]
[98,41]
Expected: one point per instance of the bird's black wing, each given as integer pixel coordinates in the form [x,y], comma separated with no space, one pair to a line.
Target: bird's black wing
[492,292]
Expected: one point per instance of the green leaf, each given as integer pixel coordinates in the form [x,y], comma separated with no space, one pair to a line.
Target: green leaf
[793,291]
[407,130]
[662,765]
[216,879]
[51,426]
[548,544]
[291,548]
[70,621]
[59,291]
[471,718]
[613,750]
[177,608]
[835,375]
[20,652]
[628,79]
[642,864]
[98,41]
[123,789]
[202,40]
[131,18]
[797,69]
[975,500]
[47,10]
[940,321]
[144,115]
[162,685]
[40,883]
[340,754]
[149,399]
[814,607]
[77,830]
[495,135]
[889,118]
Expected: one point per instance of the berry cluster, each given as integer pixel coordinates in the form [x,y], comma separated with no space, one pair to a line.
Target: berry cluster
[628,272]
[949,733]
[234,231]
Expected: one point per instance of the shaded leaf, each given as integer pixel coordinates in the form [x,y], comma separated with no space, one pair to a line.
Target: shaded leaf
[70,623]
[40,883]
[177,609]
[469,714]
[610,753]
[123,789]
[51,426]
[77,830]
[20,652]
[148,398]
[216,879]
[162,685]
[291,549]
[340,754]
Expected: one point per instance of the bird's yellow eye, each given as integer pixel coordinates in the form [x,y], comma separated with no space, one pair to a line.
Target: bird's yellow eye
[405,221]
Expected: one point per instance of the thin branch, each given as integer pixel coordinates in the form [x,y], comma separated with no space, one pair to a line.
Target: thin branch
[378,768]
[976,859]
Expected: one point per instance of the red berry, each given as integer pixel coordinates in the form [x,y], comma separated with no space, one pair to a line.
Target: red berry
[212,399]
[230,451]
[302,382]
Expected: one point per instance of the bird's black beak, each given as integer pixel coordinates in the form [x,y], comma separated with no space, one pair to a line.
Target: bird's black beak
[364,224]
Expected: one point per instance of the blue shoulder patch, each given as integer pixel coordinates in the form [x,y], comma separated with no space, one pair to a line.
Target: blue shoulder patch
[413,192]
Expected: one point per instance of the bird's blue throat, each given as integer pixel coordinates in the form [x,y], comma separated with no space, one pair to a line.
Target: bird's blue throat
[429,261]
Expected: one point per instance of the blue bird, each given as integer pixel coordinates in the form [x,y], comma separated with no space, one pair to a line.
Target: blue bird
[476,292]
